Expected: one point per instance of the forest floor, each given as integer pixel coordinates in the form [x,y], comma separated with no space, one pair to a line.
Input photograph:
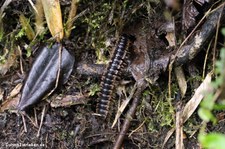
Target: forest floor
[67,118]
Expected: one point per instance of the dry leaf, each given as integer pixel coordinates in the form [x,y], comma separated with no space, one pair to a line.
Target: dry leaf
[53,17]
[7,60]
[193,103]
[181,80]
[124,105]
[170,36]
[15,91]
[39,17]
[70,20]
[10,103]
[12,100]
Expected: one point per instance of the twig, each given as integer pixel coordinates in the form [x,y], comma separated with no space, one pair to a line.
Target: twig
[5,4]
[205,60]
[124,105]
[188,52]
[86,69]
[175,59]
[21,63]
[35,117]
[133,131]
[59,69]
[216,38]
[24,123]
[32,122]
[32,4]
[129,116]
[42,118]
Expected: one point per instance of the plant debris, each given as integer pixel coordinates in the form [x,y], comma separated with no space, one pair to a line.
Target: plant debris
[157,95]
[43,74]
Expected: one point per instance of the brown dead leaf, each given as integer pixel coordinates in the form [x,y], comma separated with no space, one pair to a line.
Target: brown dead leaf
[12,100]
[190,12]
[170,36]
[10,103]
[8,60]
[15,91]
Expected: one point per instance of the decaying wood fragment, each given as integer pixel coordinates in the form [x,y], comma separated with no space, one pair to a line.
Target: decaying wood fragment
[90,69]
[190,50]
[69,100]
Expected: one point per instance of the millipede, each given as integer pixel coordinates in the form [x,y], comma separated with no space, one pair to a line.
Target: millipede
[112,73]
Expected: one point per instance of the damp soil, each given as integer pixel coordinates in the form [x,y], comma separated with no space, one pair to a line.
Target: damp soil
[77,126]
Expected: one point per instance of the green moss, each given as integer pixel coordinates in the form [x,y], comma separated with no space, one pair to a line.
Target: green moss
[94,88]
[162,110]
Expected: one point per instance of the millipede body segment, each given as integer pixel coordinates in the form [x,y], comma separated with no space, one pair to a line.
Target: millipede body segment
[111,75]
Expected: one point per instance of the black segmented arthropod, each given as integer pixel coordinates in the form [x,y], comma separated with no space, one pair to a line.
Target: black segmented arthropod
[112,73]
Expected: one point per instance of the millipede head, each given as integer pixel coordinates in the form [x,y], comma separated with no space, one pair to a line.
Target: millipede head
[132,38]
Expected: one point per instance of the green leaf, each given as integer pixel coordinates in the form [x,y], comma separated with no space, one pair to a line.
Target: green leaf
[223,31]
[222,54]
[205,114]
[219,107]
[208,102]
[212,140]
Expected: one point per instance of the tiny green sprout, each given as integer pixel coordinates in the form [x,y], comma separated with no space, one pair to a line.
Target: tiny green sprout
[94,89]
[20,34]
